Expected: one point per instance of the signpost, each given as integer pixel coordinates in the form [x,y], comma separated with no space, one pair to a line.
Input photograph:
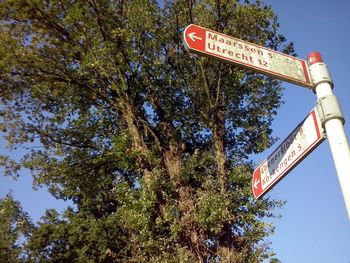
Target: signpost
[333,122]
[307,135]
[233,50]
[303,139]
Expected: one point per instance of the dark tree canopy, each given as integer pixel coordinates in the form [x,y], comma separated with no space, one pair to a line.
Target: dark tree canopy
[150,143]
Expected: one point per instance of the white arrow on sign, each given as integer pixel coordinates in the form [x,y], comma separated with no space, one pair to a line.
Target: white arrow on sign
[193,36]
[256,183]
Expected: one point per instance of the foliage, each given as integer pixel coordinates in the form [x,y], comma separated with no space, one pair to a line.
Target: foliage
[150,142]
[15,228]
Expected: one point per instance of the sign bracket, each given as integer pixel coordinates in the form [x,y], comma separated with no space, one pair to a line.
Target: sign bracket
[328,108]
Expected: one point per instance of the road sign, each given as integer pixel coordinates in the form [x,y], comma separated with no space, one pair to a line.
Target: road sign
[258,58]
[302,141]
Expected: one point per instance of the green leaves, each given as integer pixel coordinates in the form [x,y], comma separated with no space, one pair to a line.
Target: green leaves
[16,227]
[213,210]
[149,142]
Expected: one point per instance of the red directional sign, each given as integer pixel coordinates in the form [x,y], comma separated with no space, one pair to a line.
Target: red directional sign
[302,141]
[233,50]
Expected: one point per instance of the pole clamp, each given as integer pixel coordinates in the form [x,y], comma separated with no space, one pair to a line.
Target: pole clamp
[328,108]
[320,74]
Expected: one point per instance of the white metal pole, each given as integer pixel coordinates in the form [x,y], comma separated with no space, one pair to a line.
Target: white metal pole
[332,121]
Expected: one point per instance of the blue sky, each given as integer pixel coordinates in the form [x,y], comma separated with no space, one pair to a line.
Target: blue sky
[314,226]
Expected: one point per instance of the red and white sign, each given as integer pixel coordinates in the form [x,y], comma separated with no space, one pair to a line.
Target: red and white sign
[305,137]
[258,58]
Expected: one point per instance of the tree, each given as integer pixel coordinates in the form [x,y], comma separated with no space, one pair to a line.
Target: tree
[150,142]
[15,229]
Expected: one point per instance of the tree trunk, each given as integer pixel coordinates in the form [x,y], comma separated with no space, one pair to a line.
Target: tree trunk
[139,146]
[220,157]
